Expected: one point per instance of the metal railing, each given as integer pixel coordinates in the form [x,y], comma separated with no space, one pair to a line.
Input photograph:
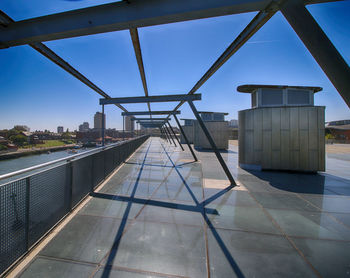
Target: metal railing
[31,206]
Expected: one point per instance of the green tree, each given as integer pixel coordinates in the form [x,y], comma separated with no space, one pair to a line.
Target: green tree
[19,139]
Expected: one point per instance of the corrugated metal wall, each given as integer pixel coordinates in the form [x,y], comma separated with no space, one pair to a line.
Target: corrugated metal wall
[284,138]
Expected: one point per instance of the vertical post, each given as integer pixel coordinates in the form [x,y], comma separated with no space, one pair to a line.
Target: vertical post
[171,137]
[103,125]
[185,137]
[319,45]
[161,133]
[69,185]
[167,135]
[123,128]
[27,212]
[212,143]
[177,139]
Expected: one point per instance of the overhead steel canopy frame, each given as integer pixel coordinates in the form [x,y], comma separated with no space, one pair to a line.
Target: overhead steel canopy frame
[152,119]
[122,16]
[139,13]
[187,98]
[144,113]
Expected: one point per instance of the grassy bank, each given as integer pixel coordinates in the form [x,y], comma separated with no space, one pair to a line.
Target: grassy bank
[47,144]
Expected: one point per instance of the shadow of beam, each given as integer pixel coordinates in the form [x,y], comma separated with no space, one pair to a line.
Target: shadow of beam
[216,235]
[153,203]
[115,246]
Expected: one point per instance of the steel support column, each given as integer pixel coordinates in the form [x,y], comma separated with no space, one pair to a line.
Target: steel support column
[103,125]
[170,134]
[184,135]
[212,143]
[319,45]
[177,139]
[166,135]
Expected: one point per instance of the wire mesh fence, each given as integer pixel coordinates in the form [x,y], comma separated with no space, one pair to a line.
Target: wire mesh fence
[31,206]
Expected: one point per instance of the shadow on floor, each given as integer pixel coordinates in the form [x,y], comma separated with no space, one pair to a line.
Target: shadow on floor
[199,207]
[307,183]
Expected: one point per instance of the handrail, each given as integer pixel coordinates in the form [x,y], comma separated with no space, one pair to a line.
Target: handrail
[68,158]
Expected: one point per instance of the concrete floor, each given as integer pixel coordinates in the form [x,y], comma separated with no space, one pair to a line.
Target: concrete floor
[149,220]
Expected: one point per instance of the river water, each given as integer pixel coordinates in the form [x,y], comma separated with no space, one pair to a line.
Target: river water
[11,165]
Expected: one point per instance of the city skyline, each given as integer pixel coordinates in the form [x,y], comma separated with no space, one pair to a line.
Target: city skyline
[175,57]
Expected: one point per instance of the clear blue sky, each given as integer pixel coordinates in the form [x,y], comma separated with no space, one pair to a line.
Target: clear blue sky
[37,93]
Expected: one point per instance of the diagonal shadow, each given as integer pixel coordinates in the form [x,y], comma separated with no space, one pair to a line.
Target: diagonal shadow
[115,246]
[153,203]
[147,164]
[220,242]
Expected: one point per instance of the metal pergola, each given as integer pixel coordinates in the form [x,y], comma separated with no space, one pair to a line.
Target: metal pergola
[162,123]
[133,14]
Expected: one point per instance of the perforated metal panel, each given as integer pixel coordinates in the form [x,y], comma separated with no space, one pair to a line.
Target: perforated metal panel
[49,196]
[97,169]
[12,222]
[108,156]
[82,179]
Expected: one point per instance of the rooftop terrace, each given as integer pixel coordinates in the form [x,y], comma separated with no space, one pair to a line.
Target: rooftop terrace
[163,215]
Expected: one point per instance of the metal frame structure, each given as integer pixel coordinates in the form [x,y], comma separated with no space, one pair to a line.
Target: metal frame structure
[183,98]
[139,13]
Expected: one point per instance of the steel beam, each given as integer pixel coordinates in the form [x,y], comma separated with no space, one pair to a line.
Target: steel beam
[257,22]
[168,134]
[5,20]
[319,45]
[172,138]
[177,139]
[185,137]
[212,143]
[103,125]
[138,54]
[165,98]
[121,16]
[151,119]
[141,113]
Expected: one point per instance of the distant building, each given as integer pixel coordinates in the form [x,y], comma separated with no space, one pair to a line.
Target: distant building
[233,123]
[60,129]
[129,124]
[212,116]
[84,127]
[22,128]
[339,129]
[340,122]
[98,120]
[188,122]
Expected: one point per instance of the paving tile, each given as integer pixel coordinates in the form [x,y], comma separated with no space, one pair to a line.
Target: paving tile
[113,273]
[339,204]
[109,208]
[164,248]
[330,258]
[84,238]
[44,268]
[231,198]
[183,215]
[283,201]
[309,224]
[254,255]
[242,218]
[342,217]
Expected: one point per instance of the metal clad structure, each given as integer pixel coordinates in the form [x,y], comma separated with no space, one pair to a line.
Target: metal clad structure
[219,132]
[282,138]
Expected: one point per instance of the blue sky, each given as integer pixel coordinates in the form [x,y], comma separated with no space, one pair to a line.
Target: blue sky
[36,92]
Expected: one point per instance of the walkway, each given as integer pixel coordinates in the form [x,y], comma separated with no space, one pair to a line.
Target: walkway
[152,219]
